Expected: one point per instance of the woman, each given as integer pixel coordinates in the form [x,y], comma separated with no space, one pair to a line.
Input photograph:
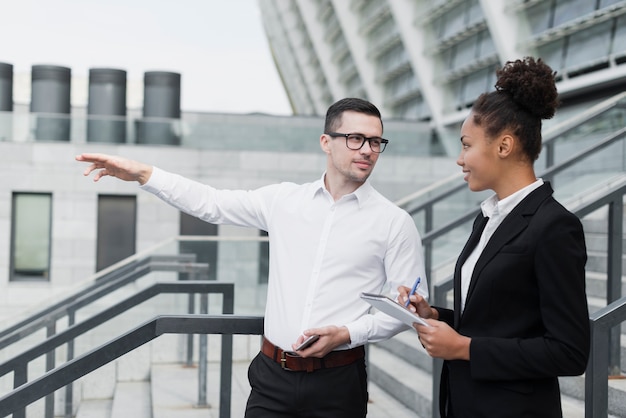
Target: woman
[520,315]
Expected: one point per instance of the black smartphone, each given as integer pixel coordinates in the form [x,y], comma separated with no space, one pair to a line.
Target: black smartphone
[307,343]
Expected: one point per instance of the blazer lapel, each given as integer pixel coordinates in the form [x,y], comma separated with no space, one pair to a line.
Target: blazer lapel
[511,226]
[477,230]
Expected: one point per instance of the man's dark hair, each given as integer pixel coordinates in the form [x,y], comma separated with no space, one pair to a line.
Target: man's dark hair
[333,115]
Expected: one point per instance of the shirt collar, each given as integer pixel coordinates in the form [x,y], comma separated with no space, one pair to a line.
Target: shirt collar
[361,194]
[492,205]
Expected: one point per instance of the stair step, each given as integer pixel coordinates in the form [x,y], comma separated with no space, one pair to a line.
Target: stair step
[383,405]
[175,392]
[402,379]
[132,399]
[94,408]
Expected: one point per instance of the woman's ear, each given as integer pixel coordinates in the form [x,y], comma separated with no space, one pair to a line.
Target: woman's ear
[506,145]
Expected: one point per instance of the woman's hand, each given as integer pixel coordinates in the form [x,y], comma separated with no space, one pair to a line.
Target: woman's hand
[441,341]
[417,303]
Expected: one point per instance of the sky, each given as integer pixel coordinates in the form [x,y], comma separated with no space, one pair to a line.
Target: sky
[218,46]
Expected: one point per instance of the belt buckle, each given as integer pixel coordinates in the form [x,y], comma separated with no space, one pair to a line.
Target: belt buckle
[283,359]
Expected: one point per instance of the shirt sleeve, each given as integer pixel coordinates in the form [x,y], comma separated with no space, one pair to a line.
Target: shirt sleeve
[404,262]
[233,207]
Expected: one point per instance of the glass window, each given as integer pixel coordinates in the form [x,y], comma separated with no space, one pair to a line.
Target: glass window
[465,52]
[552,54]
[474,85]
[453,22]
[474,13]
[619,41]
[31,236]
[568,10]
[605,3]
[588,46]
[486,48]
[540,16]
[205,251]
[117,227]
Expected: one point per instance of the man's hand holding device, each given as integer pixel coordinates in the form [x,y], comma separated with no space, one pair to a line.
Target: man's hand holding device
[307,342]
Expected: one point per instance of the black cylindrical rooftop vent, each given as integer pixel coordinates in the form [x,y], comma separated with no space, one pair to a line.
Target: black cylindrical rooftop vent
[161,94]
[6,87]
[161,100]
[50,94]
[106,107]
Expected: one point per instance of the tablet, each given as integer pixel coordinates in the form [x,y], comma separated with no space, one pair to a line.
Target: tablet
[393,308]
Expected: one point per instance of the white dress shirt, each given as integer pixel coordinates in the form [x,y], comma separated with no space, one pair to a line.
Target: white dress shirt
[496,210]
[323,253]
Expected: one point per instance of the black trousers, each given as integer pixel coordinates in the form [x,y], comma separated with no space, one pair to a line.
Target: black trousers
[338,392]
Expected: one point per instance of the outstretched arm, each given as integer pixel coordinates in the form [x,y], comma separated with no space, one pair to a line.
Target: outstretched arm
[114,166]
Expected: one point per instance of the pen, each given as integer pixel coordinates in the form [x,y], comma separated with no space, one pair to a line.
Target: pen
[417,283]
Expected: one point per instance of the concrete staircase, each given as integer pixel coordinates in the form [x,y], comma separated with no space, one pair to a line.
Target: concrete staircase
[171,392]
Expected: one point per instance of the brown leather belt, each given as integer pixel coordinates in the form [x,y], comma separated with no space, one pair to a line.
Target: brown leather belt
[291,361]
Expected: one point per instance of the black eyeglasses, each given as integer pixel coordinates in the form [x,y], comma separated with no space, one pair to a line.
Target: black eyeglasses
[356,141]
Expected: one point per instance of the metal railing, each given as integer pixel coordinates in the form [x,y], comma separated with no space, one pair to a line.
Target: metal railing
[106,282]
[603,323]
[227,325]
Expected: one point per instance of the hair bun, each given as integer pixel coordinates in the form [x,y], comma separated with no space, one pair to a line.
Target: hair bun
[531,84]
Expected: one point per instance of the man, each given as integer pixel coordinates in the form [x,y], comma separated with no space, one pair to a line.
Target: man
[330,240]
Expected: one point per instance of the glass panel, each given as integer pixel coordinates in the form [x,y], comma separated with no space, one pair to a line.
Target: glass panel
[605,3]
[619,41]
[540,16]
[453,22]
[552,54]
[31,236]
[475,85]
[474,13]
[567,10]
[587,134]
[117,224]
[486,47]
[465,52]
[206,251]
[588,46]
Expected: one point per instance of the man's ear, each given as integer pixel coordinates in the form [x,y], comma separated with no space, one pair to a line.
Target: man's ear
[324,139]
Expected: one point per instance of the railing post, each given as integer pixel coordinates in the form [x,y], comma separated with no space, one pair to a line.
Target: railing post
[203,357]
[548,148]
[614,277]
[596,375]
[226,361]
[191,302]
[69,389]
[50,361]
[428,246]
[20,377]
[226,372]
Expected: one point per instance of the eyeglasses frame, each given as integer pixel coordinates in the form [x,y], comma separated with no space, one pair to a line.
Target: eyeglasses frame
[383,141]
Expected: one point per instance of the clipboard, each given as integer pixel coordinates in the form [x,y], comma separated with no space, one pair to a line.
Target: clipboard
[393,308]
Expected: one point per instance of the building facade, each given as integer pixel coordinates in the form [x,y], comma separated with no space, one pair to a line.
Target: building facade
[429,59]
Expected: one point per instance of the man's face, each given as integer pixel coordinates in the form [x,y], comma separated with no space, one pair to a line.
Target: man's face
[353,166]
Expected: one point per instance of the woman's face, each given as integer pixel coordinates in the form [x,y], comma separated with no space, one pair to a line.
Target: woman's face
[479,157]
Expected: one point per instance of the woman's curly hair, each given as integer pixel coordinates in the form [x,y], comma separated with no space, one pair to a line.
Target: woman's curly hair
[525,94]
